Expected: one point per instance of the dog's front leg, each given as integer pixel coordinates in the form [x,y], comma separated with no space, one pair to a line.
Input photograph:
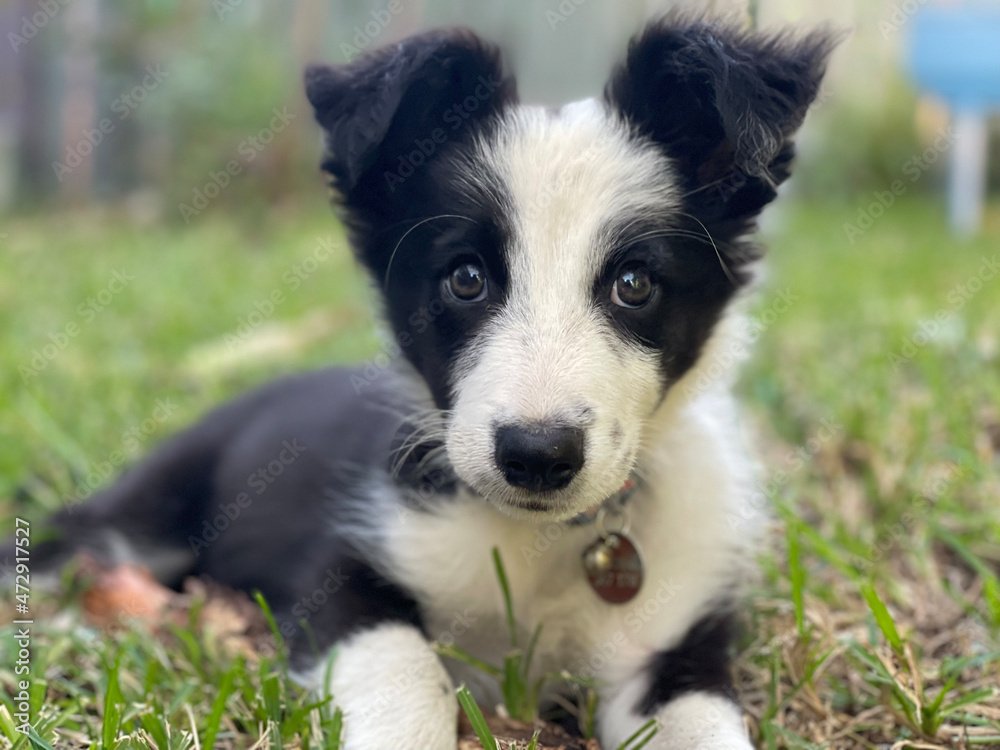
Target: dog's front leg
[394,691]
[696,720]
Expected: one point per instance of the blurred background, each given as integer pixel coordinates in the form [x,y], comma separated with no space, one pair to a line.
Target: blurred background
[166,242]
[159,184]
[222,66]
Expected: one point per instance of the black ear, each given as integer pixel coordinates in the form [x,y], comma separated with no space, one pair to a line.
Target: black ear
[409,97]
[724,104]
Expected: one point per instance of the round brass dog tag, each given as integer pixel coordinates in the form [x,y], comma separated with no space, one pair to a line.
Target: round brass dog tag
[614,568]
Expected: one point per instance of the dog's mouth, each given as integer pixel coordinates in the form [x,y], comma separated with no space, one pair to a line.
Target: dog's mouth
[557,507]
[521,505]
[583,496]
[533,506]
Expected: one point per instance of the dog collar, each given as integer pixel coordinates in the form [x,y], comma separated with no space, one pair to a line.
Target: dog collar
[614,504]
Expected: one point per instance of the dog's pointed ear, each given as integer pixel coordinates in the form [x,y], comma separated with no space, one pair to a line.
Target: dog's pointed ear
[723,103]
[384,105]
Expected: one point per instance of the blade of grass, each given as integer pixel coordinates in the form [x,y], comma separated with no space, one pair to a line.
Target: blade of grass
[530,654]
[156,730]
[965,700]
[476,718]
[508,600]
[797,575]
[991,583]
[460,654]
[334,730]
[194,651]
[279,639]
[270,692]
[513,687]
[627,744]
[111,722]
[819,545]
[935,705]
[7,725]
[646,740]
[882,617]
[36,741]
[219,704]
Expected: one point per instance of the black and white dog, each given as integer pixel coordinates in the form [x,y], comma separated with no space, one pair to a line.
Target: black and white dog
[558,283]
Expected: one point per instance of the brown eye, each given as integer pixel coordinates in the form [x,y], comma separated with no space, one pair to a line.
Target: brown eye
[633,287]
[467,282]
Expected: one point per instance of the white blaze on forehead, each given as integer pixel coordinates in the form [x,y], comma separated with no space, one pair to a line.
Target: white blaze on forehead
[570,176]
[567,179]
[563,180]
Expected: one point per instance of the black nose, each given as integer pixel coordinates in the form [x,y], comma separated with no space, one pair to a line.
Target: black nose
[539,457]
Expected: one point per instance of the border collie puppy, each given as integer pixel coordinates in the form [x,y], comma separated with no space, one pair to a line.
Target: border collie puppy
[558,285]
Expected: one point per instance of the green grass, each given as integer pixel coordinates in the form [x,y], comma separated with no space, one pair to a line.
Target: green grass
[875,620]
[170,335]
[520,696]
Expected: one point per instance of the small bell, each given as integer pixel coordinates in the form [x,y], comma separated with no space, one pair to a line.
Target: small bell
[599,558]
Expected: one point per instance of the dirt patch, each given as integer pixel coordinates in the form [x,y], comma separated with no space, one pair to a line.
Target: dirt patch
[510,733]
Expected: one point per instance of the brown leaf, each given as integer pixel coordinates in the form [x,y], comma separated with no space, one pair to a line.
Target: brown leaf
[121,593]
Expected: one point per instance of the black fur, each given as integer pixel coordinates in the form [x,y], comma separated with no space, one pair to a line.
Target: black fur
[691,290]
[251,496]
[374,109]
[723,104]
[394,120]
[699,662]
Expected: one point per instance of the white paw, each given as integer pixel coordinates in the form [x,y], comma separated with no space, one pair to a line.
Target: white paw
[694,721]
[394,692]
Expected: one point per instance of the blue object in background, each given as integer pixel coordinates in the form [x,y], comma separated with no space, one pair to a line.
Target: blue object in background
[954,53]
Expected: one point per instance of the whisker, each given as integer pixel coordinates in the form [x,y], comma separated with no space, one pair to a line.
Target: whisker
[432,455]
[669,233]
[428,427]
[729,274]
[388,268]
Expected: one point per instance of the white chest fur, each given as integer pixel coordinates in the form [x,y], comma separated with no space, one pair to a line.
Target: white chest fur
[689,521]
